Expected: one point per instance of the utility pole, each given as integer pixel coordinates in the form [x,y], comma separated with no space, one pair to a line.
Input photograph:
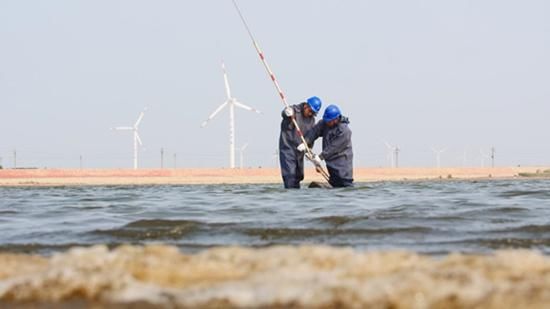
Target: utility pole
[175,160]
[161,157]
[14,158]
[397,150]
[80,161]
[493,157]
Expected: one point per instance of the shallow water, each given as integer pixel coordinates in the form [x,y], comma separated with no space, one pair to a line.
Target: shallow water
[432,217]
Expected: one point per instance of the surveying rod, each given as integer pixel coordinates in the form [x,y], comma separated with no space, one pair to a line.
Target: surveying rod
[309,153]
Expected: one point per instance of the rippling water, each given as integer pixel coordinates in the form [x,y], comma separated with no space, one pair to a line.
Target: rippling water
[434,217]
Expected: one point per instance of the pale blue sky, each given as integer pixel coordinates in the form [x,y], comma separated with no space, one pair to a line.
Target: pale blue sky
[458,74]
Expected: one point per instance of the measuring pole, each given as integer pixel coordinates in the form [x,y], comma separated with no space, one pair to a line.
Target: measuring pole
[318,168]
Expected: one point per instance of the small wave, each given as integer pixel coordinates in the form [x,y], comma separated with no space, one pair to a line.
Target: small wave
[8,212]
[339,220]
[531,193]
[492,210]
[528,229]
[276,233]
[356,187]
[39,248]
[84,208]
[46,249]
[513,242]
[88,199]
[443,218]
[509,209]
[256,191]
[153,229]
[391,213]
[498,243]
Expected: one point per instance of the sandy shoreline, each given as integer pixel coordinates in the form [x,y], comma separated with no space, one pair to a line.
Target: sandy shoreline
[75,177]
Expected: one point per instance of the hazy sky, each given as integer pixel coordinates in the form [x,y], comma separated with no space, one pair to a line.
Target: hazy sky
[462,74]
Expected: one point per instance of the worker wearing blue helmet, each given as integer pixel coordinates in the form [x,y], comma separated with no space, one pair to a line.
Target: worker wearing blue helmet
[337,150]
[292,160]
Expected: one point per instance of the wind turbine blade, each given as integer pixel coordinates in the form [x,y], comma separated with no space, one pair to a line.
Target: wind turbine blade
[214,114]
[241,105]
[139,139]
[227,89]
[122,128]
[139,118]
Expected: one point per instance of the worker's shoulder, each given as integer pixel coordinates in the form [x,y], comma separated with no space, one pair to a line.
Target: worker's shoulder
[343,126]
[344,122]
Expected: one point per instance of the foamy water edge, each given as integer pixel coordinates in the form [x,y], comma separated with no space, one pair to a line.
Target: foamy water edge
[279,276]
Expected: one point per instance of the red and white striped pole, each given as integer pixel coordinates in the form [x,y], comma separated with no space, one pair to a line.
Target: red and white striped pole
[279,90]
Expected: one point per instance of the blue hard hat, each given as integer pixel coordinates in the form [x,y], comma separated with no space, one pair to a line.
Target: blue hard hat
[315,104]
[331,112]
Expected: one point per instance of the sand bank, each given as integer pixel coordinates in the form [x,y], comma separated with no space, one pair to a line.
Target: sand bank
[310,276]
[68,177]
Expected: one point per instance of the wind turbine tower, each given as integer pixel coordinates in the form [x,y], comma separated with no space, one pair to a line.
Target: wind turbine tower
[396,151]
[484,155]
[231,102]
[438,153]
[137,139]
[393,153]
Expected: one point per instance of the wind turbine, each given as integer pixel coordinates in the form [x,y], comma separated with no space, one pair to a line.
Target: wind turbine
[241,150]
[438,153]
[392,154]
[137,139]
[231,102]
[484,155]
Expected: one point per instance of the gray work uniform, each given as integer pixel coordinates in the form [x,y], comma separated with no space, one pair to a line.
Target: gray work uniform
[337,150]
[292,160]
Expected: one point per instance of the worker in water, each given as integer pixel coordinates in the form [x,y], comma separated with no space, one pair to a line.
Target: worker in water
[292,160]
[337,151]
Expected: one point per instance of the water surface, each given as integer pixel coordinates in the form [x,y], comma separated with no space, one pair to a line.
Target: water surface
[433,217]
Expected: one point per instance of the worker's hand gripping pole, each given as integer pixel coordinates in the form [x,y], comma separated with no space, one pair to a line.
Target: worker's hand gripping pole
[308,151]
